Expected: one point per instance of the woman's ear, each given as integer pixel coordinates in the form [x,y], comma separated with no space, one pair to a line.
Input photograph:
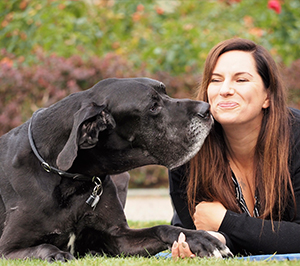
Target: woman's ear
[266,103]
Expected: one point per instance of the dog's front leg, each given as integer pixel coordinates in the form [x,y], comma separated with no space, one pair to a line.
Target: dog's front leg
[150,241]
[22,236]
[46,252]
[112,235]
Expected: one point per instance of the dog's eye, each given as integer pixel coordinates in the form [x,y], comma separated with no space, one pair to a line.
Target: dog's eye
[155,108]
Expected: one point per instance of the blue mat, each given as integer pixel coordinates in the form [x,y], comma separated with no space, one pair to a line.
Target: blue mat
[292,256]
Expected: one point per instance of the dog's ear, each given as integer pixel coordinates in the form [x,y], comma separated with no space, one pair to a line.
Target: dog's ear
[88,122]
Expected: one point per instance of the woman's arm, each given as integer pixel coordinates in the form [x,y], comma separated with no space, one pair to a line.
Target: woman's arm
[258,237]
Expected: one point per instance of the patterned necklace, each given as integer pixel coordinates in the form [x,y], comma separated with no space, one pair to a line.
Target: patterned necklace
[241,200]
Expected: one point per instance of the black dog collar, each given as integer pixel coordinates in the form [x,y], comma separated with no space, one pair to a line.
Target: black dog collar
[98,189]
[49,168]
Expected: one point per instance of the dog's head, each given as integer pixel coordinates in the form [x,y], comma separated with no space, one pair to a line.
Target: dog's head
[127,123]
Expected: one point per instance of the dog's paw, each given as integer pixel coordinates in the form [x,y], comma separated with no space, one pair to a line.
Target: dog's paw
[206,245]
[59,256]
[222,252]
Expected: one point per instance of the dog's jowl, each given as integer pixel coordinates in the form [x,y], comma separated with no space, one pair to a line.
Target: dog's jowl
[57,198]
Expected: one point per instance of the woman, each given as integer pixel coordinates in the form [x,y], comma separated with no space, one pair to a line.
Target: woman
[244,184]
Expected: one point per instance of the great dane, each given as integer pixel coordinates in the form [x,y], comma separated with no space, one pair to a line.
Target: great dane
[57,200]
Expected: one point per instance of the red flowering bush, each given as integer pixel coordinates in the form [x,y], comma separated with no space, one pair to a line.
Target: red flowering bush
[275,5]
[24,89]
[291,79]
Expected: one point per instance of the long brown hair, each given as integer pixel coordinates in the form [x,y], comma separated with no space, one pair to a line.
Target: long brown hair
[210,173]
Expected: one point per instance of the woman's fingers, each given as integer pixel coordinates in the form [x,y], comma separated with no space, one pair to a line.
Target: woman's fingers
[181,248]
[175,250]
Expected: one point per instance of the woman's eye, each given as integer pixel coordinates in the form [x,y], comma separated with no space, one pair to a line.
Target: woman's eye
[242,80]
[215,80]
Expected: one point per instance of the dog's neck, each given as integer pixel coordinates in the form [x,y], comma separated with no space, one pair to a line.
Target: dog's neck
[48,168]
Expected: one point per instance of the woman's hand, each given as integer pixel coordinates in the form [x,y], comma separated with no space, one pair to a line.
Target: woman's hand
[181,248]
[209,215]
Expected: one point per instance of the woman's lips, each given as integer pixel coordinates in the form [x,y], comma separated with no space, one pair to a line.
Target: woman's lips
[227,105]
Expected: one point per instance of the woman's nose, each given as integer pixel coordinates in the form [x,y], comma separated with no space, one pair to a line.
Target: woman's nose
[227,89]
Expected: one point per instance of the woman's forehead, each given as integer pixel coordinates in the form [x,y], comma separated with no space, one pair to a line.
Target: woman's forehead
[235,61]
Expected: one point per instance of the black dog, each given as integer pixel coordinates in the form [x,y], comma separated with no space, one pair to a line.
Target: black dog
[70,204]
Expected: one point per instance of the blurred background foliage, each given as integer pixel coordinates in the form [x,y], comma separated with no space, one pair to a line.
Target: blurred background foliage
[52,48]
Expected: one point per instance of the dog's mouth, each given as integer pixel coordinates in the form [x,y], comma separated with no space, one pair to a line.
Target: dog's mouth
[197,132]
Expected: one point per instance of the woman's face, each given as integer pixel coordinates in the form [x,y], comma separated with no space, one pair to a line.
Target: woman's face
[236,91]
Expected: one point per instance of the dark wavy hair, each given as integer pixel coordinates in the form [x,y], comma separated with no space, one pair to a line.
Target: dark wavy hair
[210,173]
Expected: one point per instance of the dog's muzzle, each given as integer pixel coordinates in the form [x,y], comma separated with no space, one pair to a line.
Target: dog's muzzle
[197,132]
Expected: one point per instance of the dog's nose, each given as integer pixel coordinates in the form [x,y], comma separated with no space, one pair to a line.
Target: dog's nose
[203,111]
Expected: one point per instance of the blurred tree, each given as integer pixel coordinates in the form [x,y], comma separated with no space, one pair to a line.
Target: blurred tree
[173,36]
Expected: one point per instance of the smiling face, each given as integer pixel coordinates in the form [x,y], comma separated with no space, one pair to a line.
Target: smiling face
[236,91]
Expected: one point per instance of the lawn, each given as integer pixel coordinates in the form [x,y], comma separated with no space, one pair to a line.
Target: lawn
[136,261]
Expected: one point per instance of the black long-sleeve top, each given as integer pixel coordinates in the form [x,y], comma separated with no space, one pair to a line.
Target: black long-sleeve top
[245,234]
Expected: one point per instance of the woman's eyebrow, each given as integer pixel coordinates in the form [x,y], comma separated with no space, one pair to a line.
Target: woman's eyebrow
[216,74]
[236,74]
[242,73]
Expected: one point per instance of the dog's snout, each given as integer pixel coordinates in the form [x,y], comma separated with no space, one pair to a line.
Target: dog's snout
[203,111]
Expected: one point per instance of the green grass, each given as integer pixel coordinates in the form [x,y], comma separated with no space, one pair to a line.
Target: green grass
[136,261]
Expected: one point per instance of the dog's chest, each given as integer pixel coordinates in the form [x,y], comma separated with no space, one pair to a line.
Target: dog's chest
[71,243]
